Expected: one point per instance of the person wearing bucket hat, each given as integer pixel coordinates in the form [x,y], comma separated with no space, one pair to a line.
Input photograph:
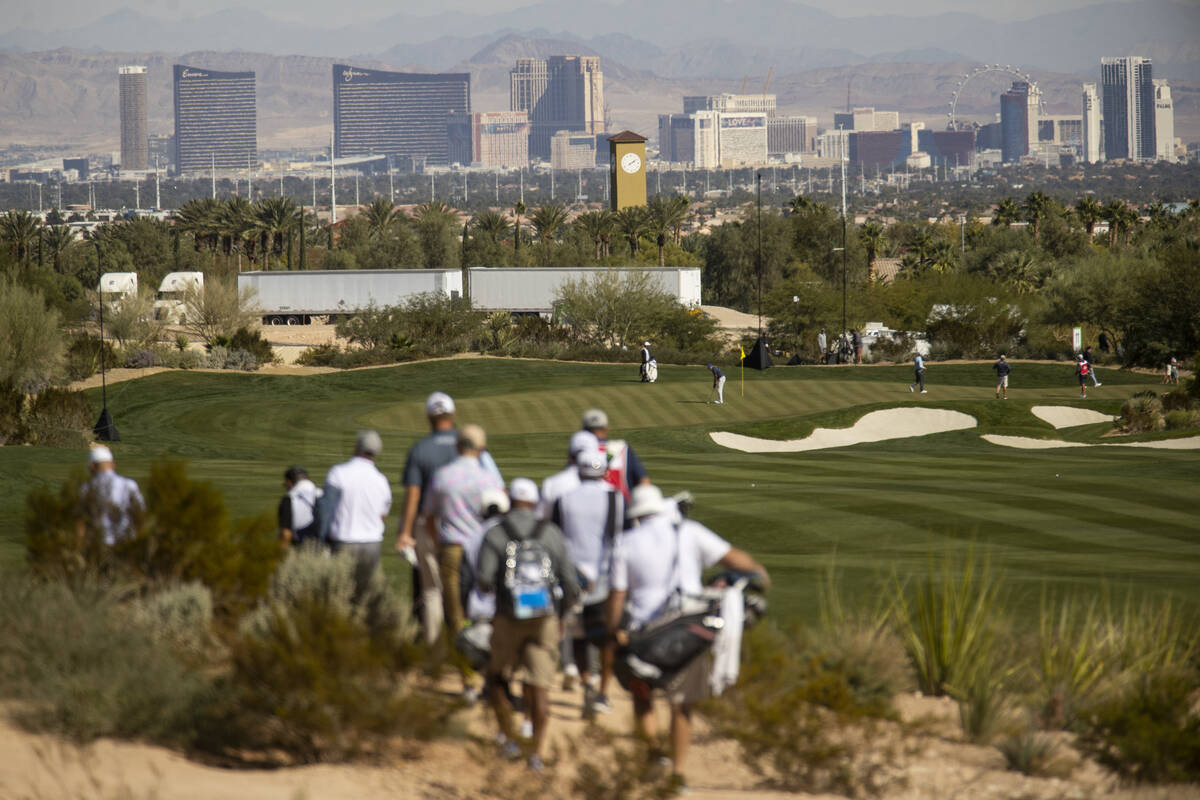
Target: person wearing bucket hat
[111,504]
[657,563]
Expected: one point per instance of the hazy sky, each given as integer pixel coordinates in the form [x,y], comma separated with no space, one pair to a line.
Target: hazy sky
[51,14]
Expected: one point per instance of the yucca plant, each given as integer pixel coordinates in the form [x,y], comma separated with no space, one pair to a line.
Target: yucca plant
[1029,752]
[947,622]
[1073,655]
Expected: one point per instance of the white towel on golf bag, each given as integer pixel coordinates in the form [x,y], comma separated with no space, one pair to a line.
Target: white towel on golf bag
[727,648]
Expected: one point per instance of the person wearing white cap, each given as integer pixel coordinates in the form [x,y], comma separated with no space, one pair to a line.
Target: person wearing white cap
[656,563]
[111,503]
[425,458]
[590,517]
[645,361]
[524,560]
[625,469]
[361,499]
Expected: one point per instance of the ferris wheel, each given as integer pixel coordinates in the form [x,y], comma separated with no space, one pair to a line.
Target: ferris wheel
[1006,69]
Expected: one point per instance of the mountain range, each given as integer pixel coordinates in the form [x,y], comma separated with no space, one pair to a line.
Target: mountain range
[678,38]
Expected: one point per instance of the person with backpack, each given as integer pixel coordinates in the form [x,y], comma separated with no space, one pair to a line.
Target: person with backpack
[656,565]
[524,561]
[298,521]
[590,517]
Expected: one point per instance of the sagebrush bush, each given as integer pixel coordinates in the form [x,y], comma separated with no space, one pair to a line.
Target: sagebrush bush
[1182,420]
[180,616]
[318,674]
[1030,752]
[82,666]
[1177,400]
[84,356]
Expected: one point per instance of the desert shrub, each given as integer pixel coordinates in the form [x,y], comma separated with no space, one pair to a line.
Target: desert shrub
[1143,413]
[437,324]
[241,360]
[1148,732]
[319,355]
[131,321]
[1177,400]
[180,617]
[32,355]
[1030,752]
[1181,420]
[898,349]
[248,341]
[799,722]
[81,666]
[139,358]
[677,327]
[609,770]
[83,357]
[317,672]
[947,622]
[12,414]
[611,307]
[59,418]
[1072,659]
[186,534]
[219,309]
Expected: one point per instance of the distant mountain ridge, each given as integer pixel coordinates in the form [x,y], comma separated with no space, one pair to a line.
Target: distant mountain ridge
[681,38]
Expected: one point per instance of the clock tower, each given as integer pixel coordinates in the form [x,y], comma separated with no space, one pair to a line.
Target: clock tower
[627,168]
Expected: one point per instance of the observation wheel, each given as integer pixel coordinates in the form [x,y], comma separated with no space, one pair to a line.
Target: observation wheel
[1005,69]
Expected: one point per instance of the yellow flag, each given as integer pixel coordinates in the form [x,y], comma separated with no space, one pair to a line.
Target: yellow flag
[742,377]
[743,352]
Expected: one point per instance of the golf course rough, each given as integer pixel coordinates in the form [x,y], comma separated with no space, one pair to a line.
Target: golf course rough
[876,426]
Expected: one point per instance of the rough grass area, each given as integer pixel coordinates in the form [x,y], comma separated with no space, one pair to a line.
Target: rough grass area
[1070,520]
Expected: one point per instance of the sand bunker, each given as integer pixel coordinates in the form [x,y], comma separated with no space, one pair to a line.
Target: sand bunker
[1067,417]
[1025,443]
[877,426]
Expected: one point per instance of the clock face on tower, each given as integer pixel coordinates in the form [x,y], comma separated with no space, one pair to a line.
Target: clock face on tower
[631,163]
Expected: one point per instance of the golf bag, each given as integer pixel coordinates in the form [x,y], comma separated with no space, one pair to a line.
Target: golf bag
[475,643]
[752,592]
[651,370]
[658,652]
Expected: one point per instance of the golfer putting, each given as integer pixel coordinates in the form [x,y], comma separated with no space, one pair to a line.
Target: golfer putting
[718,384]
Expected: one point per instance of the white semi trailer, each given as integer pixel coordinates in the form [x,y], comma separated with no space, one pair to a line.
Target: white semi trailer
[170,304]
[532,289]
[118,285]
[295,297]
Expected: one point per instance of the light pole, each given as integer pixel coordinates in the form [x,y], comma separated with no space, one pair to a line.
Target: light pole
[842,337]
[758,181]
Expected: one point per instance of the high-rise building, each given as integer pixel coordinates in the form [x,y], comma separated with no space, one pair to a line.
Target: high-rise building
[1091,131]
[560,93]
[791,135]
[1164,121]
[730,103]
[880,149]
[1014,122]
[572,150]
[215,119]
[1128,111]
[133,117]
[489,139]
[376,112]
[689,139]
[947,148]
[741,139]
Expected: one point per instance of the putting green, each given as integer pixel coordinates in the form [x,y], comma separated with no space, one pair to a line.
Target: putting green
[1067,518]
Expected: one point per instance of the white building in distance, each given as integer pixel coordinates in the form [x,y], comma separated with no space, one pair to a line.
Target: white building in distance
[1164,121]
[1091,148]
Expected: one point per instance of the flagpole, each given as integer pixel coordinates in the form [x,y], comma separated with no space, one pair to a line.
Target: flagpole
[743,363]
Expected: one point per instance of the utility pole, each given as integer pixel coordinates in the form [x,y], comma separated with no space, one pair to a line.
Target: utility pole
[466,188]
[332,187]
[758,192]
[356,202]
[391,182]
[250,178]
[843,160]
[432,188]
[137,195]
[214,175]
[157,194]
[522,174]
[552,184]
[497,174]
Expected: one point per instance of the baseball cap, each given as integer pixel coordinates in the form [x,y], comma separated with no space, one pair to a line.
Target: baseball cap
[580,441]
[523,490]
[490,499]
[439,403]
[646,344]
[472,436]
[100,455]
[369,443]
[646,500]
[591,464]
[594,418]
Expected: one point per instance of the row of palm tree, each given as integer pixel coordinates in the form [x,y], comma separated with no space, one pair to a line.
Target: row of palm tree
[26,235]
[663,218]
[1121,218]
[237,226]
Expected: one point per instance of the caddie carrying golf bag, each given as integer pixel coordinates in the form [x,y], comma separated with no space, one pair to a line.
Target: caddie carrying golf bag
[658,652]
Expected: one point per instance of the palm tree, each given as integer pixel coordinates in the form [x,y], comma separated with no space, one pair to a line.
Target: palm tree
[1160,216]
[58,240]
[921,245]
[596,224]
[381,216]
[631,222]
[1007,212]
[278,219]
[678,215]
[237,220]
[872,238]
[20,230]
[518,212]
[799,204]
[547,220]
[1037,205]
[943,257]
[663,215]
[492,225]
[1020,269]
[199,219]
[1089,211]
[1127,221]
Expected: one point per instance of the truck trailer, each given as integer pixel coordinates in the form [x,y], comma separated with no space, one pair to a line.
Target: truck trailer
[531,290]
[170,304]
[295,297]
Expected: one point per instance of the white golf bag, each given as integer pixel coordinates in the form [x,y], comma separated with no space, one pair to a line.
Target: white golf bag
[651,371]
